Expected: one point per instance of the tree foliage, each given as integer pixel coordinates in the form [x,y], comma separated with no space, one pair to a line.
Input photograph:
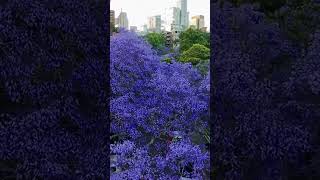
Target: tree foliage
[156,40]
[195,54]
[193,36]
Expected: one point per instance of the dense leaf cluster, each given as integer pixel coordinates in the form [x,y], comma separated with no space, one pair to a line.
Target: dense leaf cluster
[193,36]
[195,54]
[156,40]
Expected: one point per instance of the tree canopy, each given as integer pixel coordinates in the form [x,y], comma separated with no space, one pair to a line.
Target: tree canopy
[193,36]
[150,99]
[195,54]
[156,40]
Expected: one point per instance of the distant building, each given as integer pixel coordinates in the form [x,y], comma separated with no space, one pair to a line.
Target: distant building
[204,29]
[143,30]
[123,20]
[172,19]
[183,14]
[133,28]
[176,19]
[192,26]
[197,22]
[154,23]
[175,35]
[169,38]
[112,20]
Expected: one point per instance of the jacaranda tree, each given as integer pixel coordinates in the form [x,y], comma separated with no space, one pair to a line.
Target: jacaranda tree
[150,101]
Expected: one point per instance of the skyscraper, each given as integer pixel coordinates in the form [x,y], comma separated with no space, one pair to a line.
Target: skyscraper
[197,21]
[184,14]
[154,23]
[112,20]
[177,18]
[123,20]
[172,19]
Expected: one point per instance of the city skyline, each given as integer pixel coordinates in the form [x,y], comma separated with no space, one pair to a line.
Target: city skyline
[139,16]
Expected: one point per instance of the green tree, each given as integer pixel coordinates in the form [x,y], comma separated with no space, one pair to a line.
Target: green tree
[195,54]
[193,36]
[156,40]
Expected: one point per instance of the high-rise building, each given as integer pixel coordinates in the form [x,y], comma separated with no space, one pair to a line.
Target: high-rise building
[154,23]
[177,18]
[172,19]
[184,14]
[197,22]
[112,20]
[123,20]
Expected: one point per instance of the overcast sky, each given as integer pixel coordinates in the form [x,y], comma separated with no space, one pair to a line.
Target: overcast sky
[139,10]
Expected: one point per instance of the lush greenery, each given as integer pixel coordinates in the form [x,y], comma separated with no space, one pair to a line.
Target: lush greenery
[195,54]
[193,36]
[157,40]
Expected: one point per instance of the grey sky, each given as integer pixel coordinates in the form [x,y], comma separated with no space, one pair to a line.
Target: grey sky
[139,10]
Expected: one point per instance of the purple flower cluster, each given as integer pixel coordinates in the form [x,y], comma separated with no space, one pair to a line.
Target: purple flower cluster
[149,94]
[151,99]
[137,163]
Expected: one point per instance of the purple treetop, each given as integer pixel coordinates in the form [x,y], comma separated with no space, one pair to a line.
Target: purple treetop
[150,96]
[150,100]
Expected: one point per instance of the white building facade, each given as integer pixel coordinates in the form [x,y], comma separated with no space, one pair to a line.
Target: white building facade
[184,14]
[154,23]
[197,21]
[123,20]
[176,19]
